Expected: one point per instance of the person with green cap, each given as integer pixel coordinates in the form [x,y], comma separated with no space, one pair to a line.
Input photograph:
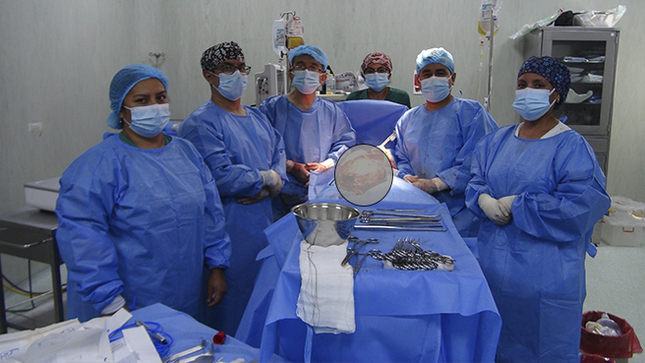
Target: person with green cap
[139,215]
[315,131]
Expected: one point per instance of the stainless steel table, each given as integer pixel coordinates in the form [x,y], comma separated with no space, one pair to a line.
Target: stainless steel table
[30,233]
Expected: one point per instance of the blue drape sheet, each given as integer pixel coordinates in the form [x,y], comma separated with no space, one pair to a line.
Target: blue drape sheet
[412,316]
[187,333]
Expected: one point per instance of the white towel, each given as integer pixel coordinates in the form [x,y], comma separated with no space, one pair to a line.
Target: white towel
[326,299]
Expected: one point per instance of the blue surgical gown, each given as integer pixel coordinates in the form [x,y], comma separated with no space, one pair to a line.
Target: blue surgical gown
[535,264]
[236,148]
[320,133]
[140,223]
[440,143]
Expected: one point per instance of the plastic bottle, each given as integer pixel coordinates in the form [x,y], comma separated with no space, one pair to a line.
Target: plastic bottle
[331,84]
[279,35]
[604,326]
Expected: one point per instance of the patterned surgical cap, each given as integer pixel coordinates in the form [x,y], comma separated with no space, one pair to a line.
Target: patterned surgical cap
[377,58]
[219,53]
[555,72]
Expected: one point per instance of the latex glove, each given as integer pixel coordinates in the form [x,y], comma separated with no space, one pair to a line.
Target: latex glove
[494,210]
[427,185]
[263,193]
[272,181]
[507,201]
[215,286]
[318,167]
[410,178]
[430,185]
[298,171]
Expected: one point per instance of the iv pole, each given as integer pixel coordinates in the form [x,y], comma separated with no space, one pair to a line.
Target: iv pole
[490,59]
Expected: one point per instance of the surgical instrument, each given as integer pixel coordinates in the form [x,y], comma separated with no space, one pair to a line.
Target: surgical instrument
[186,352]
[375,227]
[152,332]
[358,244]
[370,213]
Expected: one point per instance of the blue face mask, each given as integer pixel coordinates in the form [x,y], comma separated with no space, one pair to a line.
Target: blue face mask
[532,103]
[149,121]
[377,81]
[306,81]
[435,89]
[231,86]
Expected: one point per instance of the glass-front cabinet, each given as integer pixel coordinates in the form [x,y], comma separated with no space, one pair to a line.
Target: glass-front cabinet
[590,54]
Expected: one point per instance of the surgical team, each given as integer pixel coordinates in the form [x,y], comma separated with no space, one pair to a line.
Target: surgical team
[147,218]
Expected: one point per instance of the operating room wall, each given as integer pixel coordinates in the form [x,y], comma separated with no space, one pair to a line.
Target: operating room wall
[58,57]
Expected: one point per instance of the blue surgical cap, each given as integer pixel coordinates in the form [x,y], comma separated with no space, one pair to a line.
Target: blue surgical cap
[433,56]
[123,82]
[311,50]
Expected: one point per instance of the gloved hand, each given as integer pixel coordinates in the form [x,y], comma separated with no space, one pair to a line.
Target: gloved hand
[410,178]
[507,201]
[272,181]
[494,210]
[427,185]
[298,171]
[318,167]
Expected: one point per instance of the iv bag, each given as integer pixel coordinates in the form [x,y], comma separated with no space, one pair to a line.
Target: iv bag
[489,7]
[279,34]
[295,32]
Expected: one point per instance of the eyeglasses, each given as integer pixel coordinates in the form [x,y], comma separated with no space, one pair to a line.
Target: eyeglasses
[379,70]
[228,68]
[302,67]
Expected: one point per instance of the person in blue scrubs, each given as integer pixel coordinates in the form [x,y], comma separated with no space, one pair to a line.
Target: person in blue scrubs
[139,214]
[539,190]
[434,141]
[315,131]
[246,156]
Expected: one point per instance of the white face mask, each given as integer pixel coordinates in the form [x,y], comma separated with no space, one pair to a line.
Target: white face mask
[377,81]
[149,121]
[306,81]
[435,89]
[231,86]
[532,103]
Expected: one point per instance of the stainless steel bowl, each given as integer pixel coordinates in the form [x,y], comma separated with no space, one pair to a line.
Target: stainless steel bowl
[325,224]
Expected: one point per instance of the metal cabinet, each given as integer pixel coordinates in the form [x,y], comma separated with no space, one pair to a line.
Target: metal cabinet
[590,54]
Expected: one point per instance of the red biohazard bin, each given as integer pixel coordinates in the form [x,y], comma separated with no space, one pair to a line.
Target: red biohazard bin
[595,358]
[623,346]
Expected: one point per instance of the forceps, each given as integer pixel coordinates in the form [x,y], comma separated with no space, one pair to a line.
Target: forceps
[358,244]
